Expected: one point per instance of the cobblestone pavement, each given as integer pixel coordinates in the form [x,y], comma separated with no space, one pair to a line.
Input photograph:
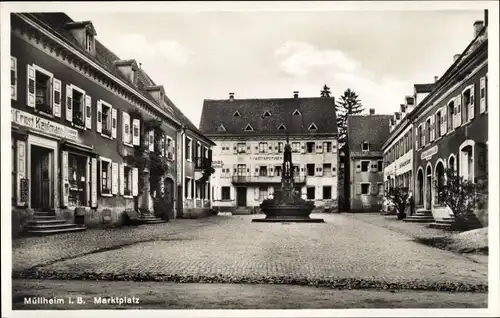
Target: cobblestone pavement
[232,246]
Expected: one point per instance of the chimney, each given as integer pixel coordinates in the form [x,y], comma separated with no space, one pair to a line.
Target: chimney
[436,79]
[455,57]
[140,66]
[372,111]
[231,96]
[403,108]
[478,25]
[486,17]
[295,94]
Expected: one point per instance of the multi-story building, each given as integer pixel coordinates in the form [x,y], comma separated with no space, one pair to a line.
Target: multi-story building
[81,118]
[451,126]
[364,161]
[250,135]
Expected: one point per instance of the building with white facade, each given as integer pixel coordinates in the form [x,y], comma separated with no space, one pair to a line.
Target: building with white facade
[250,135]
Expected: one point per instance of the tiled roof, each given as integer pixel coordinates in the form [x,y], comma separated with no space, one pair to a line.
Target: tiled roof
[317,110]
[424,88]
[371,128]
[56,22]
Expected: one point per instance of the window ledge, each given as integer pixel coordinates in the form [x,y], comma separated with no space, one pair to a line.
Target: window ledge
[109,195]
[44,114]
[78,126]
[128,144]
[128,196]
[106,136]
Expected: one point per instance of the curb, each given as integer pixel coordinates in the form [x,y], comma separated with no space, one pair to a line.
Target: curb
[334,283]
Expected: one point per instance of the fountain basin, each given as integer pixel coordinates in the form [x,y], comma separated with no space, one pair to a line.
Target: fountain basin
[288,213]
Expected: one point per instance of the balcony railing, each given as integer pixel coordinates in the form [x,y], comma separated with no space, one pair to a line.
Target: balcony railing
[264,179]
[201,163]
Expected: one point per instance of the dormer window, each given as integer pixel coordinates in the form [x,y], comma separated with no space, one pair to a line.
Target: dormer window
[221,128]
[248,128]
[313,127]
[236,114]
[296,113]
[89,42]
[267,114]
[365,146]
[282,127]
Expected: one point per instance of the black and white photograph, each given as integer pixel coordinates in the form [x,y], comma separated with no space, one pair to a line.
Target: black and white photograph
[254,159]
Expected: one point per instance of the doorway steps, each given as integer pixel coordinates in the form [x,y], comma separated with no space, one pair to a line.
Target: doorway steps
[420,216]
[149,219]
[446,223]
[46,223]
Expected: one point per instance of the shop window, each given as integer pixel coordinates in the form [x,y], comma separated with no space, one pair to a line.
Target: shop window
[127,181]
[106,177]
[226,193]
[77,180]
[262,193]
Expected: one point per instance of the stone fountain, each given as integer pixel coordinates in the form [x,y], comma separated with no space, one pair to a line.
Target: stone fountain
[286,205]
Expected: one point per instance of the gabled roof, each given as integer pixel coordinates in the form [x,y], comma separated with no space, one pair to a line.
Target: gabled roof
[373,129]
[317,110]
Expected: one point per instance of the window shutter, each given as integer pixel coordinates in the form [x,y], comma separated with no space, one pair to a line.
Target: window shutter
[235,169]
[114,178]
[482,102]
[99,117]
[319,146]
[374,189]
[21,169]
[69,103]
[358,188]
[88,112]
[417,138]
[374,166]
[433,129]
[64,180]
[30,99]
[256,148]
[162,145]
[256,171]
[93,187]
[472,103]
[458,113]
[13,78]
[256,194]
[125,127]
[120,177]
[424,130]
[56,97]
[135,181]
[444,120]
[358,167]
[302,147]
[113,122]
[136,128]
[151,140]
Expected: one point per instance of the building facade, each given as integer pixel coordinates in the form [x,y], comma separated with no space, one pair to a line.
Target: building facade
[250,135]
[451,126]
[364,157]
[81,118]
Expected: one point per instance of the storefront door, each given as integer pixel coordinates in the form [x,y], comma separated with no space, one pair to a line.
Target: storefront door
[41,177]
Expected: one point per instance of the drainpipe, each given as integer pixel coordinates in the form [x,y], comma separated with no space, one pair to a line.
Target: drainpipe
[183,168]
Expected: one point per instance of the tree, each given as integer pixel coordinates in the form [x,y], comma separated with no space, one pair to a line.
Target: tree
[461,195]
[326,91]
[347,104]
[399,197]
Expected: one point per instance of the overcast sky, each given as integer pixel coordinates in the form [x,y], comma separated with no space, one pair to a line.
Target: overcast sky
[203,55]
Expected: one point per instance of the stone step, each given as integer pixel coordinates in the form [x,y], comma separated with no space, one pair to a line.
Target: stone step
[43,213]
[46,222]
[419,219]
[151,221]
[49,227]
[44,217]
[442,226]
[40,232]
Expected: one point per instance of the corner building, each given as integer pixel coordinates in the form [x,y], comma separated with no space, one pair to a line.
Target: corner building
[250,135]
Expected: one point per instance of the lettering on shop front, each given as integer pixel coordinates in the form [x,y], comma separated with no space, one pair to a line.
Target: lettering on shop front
[426,155]
[405,163]
[34,122]
[217,164]
[267,158]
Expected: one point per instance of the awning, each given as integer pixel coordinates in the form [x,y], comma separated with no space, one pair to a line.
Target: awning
[82,148]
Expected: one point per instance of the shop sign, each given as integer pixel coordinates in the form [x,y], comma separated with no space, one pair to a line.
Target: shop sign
[405,163]
[217,164]
[426,155]
[267,158]
[43,125]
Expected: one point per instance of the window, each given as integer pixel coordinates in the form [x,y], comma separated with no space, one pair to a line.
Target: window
[327,146]
[13,78]
[310,146]
[266,114]
[365,188]
[241,170]
[107,177]
[327,192]
[262,147]
[263,171]
[483,105]
[296,113]
[106,119]
[428,130]
[313,127]
[438,121]
[421,136]
[311,193]
[365,165]
[226,193]
[188,149]
[242,147]
[451,113]
[42,91]
[380,189]
[89,42]
[282,127]
[277,171]
[188,191]
[295,146]
[327,169]
[380,165]
[77,180]
[365,146]
[468,104]
[127,181]
[262,193]
[310,169]
[236,114]
[221,128]
[248,128]
[170,148]
[280,147]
